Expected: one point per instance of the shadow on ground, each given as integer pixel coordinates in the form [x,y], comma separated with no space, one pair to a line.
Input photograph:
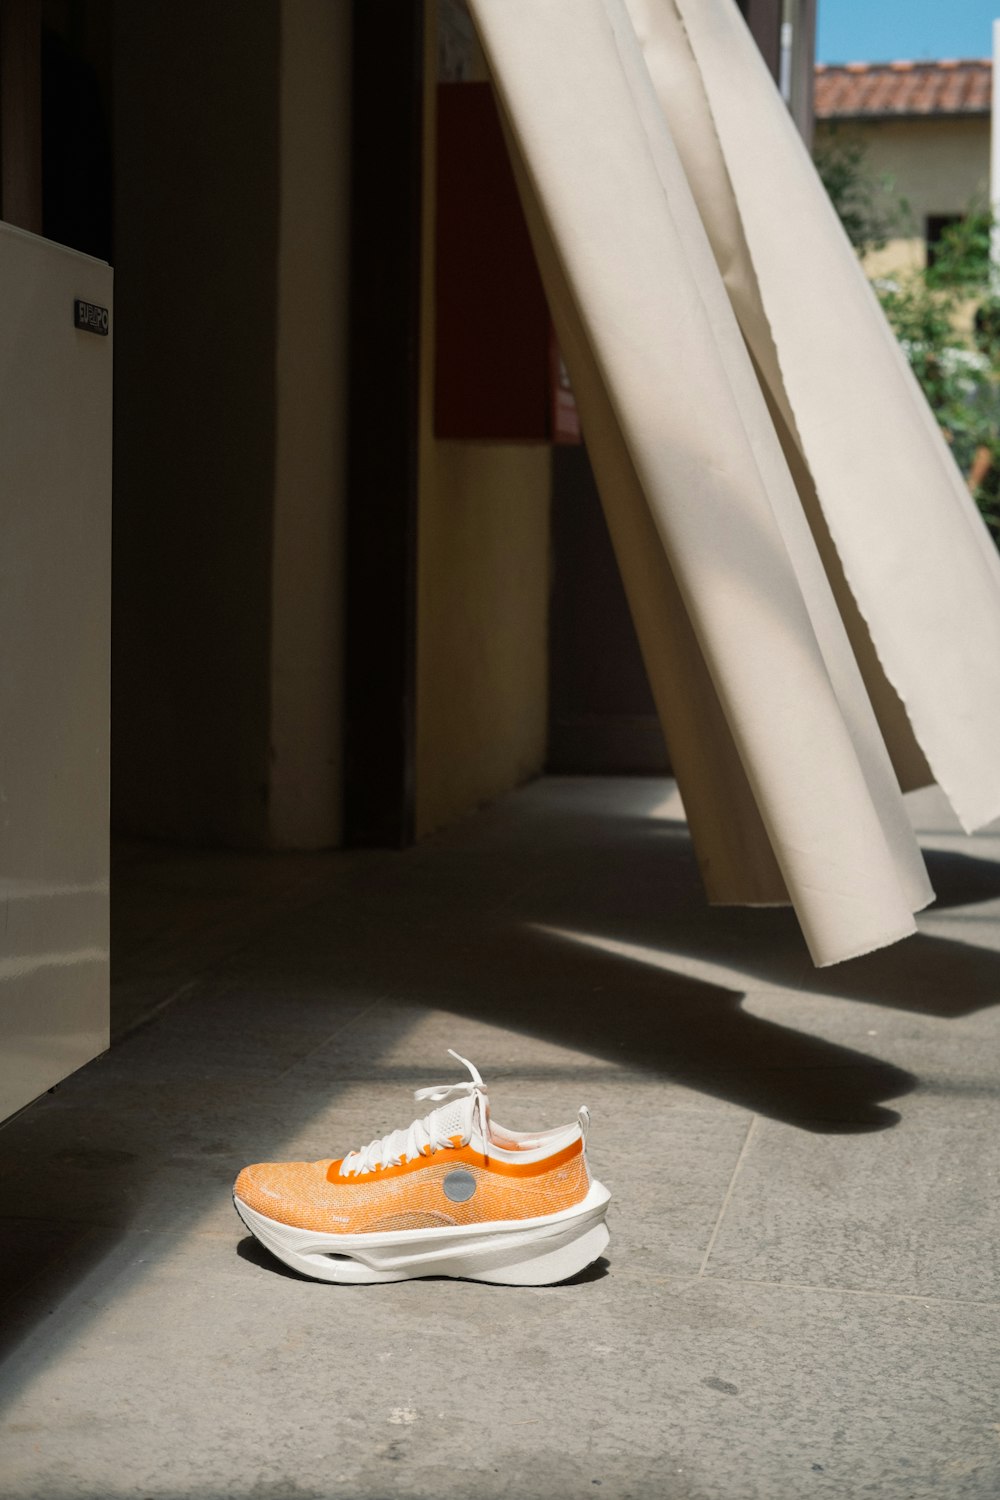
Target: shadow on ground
[561,920]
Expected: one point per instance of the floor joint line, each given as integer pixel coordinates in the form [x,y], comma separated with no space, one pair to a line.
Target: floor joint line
[851,1291]
[729,1193]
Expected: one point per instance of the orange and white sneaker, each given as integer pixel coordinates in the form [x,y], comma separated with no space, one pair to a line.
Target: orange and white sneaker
[454,1195]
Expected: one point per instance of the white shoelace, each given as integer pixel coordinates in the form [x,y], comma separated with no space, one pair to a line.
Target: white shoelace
[423,1136]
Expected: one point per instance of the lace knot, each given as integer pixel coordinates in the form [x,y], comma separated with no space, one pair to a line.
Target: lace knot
[423,1137]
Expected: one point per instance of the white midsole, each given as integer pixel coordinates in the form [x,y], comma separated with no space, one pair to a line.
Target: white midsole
[457,1250]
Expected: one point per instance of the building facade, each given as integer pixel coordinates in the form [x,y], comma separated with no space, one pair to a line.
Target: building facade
[924,129]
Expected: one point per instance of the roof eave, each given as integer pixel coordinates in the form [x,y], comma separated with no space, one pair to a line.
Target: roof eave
[873,116]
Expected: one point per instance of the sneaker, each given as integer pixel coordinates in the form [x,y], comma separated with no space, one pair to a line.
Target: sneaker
[454,1195]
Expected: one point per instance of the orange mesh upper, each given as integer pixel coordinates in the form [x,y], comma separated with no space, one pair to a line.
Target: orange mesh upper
[300,1193]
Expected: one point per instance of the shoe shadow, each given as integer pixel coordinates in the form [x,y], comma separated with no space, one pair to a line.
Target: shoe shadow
[254,1253]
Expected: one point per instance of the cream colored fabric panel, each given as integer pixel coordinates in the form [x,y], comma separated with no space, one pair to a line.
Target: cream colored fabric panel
[734,853]
[824,616]
[737,863]
[914,552]
[681,94]
[618,210]
[908,760]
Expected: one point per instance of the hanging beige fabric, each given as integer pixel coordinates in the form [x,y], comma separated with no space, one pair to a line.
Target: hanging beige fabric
[915,573]
[778,753]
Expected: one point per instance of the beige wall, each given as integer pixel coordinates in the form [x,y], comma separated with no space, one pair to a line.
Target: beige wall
[230,246]
[231,242]
[482,594]
[940,166]
[482,665]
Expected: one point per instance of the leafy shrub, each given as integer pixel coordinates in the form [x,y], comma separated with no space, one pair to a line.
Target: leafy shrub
[869,207]
[931,309]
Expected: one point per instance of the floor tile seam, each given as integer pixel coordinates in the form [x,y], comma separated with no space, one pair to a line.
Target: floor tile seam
[961,916]
[18,1301]
[850,1291]
[204,973]
[149,1016]
[328,1038]
[728,1194]
[311,891]
[24,1223]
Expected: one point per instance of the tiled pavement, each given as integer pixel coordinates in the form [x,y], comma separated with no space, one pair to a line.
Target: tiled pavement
[802,1292]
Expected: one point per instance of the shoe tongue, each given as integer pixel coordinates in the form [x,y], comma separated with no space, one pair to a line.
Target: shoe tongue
[457,1116]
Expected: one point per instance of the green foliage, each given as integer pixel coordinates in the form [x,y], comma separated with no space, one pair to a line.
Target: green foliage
[961,382]
[930,309]
[868,206]
[962,255]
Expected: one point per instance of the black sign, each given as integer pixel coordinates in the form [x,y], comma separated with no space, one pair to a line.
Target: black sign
[90,317]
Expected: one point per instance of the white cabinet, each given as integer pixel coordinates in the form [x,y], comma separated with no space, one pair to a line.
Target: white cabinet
[55,622]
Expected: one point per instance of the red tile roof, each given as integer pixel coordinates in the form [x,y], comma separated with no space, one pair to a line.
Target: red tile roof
[858,90]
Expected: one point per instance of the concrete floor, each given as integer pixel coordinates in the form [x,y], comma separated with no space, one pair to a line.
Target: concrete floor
[802,1292]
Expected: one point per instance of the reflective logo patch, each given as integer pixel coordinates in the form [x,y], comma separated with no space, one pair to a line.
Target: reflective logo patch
[459,1186]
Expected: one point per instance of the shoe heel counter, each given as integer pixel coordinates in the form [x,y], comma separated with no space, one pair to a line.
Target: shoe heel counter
[570,1182]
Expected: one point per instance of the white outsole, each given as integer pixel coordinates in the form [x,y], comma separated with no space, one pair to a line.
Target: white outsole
[514,1252]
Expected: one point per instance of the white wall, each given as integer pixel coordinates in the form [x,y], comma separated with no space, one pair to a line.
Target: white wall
[55,628]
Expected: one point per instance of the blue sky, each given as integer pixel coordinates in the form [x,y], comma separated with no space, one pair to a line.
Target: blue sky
[891,30]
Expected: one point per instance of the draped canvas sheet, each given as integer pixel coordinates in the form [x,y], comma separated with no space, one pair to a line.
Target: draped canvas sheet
[916,575]
[778,754]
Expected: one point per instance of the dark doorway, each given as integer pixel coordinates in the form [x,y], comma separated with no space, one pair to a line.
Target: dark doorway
[602,719]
